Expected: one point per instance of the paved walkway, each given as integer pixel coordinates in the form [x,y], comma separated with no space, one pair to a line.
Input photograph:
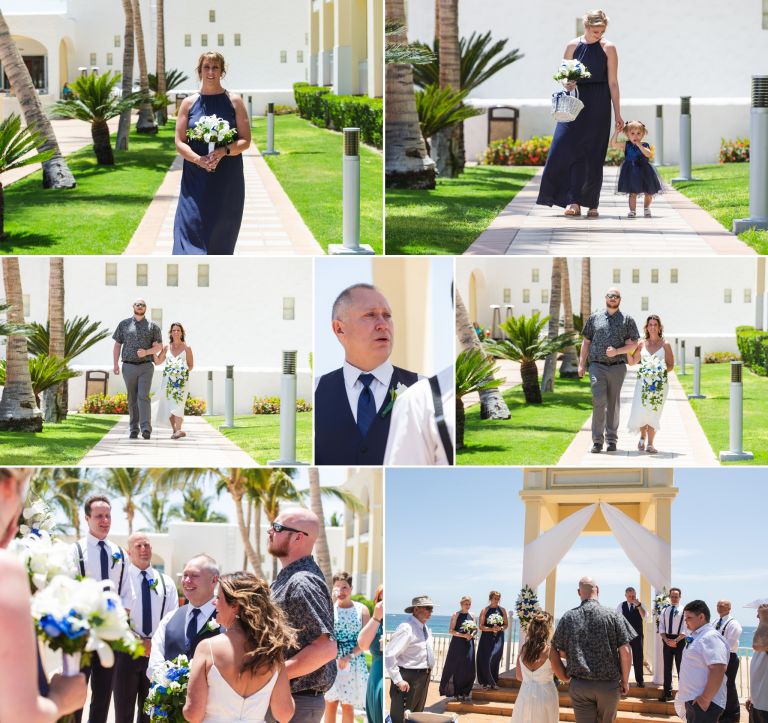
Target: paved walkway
[203,446]
[678,228]
[271,224]
[681,440]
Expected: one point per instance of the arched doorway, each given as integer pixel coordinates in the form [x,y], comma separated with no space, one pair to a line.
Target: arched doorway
[35,56]
[66,51]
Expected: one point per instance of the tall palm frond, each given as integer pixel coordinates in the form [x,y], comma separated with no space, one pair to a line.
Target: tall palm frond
[173,79]
[46,371]
[404,53]
[80,334]
[439,108]
[475,372]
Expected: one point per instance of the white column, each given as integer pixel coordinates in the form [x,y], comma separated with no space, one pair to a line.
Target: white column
[356,553]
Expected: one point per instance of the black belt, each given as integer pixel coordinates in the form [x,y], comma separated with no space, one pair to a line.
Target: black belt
[608,364]
[137,363]
[310,691]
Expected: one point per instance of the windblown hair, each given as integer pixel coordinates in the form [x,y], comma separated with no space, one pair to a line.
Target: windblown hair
[595,17]
[653,317]
[537,637]
[637,125]
[266,628]
[342,577]
[181,327]
[211,55]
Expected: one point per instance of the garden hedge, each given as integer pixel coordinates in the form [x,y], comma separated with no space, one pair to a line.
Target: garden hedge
[753,345]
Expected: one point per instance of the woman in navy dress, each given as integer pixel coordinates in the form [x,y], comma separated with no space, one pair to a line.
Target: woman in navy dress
[573,174]
[212,194]
[491,645]
[459,667]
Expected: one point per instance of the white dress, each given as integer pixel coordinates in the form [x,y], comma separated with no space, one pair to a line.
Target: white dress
[167,403]
[226,705]
[639,415]
[538,700]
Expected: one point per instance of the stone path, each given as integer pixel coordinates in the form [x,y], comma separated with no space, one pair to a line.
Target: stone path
[678,228]
[681,440]
[271,224]
[203,446]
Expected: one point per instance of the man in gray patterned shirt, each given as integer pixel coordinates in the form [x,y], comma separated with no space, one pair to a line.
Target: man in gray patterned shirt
[136,341]
[595,643]
[606,339]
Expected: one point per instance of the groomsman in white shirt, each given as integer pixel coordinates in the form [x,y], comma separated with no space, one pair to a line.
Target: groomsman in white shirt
[672,631]
[730,629]
[156,595]
[100,559]
[409,657]
[757,703]
[634,612]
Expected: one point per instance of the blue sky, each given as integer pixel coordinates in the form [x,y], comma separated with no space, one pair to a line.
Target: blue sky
[456,532]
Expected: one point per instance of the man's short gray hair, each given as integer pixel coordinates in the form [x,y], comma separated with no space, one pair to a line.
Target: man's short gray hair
[210,564]
[344,297]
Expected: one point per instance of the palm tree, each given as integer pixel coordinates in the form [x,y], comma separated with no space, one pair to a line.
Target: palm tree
[7,328]
[161,89]
[129,483]
[80,334]
[54,407]
[492,404]
[555,295]
[586,288]
[407,162]
[408,53]
[156,510]
[321,546]
[146,122]
[18,410]
[65,489]
[56,173]
[569,368]
[197,507]
[526,345]
[173,79]
[475,372]
[94,102]
[17,146]
[45,372]
[449,163]
[440,110]
[124,126]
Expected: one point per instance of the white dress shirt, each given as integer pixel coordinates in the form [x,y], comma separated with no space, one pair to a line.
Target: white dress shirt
[414,438]
[620,609]
[157,656]
[162,592]
[758,680]
[382,376]
[730,629]
[408,648]
[92,564]
[707,648]
[671,626]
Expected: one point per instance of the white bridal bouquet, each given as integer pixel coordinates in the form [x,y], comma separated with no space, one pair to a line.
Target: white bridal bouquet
[168,691]
[176,374]
[571,70]
[212,130]
[653,373]
[495,619]
[468,626]
[659,603]
[527,606]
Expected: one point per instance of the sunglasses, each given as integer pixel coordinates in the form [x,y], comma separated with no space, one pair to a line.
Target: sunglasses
[277,527]
[143,306]
[612,296]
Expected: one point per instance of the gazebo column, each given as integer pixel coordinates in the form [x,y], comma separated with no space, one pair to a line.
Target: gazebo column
[356,553]
[649,629]
[375,48]
[325,33]
[314,44]
[549,601]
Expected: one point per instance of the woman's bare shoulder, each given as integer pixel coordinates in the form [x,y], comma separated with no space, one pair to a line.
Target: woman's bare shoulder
[236,99]
[187,102]
[608,46]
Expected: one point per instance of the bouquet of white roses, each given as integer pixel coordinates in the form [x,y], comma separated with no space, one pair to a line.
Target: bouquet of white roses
[494,619]
[468,626]
[653,373]
[527,606]
[168,691]
[176,374]
[36,517]
[44,558]
[212,130]
[571,70]
[659,603]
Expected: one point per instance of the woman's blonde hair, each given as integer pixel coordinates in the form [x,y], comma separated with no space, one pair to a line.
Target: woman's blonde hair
[594,17]
[211,55]
[536,637]
[266,628]
[378,596]
[494,593]
[639,125]
[465,598]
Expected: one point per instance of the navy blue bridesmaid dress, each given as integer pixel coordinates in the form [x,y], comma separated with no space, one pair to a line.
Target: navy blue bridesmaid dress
[637,175]
[489,651]
[459,667]
[210,206]
[574,169]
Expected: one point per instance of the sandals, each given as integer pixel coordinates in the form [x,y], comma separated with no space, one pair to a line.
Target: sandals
[651,449]
[571,210]
[592,213]
[631,214]
[647,212]
[641,445]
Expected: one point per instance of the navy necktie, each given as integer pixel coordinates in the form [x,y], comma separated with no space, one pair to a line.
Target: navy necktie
[192,628]
[719,624]
[366,406]
[146,606]
[104,561]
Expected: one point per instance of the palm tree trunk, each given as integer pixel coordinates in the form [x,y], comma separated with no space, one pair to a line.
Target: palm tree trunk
[459,424]
[162,115]
[101,145]
[407,162]
[56,173]
[569,368]
[253,557]
[492,404]
[530,375]
[321,546]
[2,212]
[257,535]
[18,411]
[445,143]
[248,531]
[548,377]
[585,306]
[124,127]
[54,408]
[146,122]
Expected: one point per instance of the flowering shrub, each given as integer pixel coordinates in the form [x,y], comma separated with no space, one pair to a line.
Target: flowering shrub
[720,357]
[194,407]
[104,404]
[614,157]
[736,151]
[271,405]
[508,152]
[283,110]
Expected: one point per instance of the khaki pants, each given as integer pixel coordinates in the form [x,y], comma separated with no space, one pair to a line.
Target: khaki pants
[595,701]
[606,382]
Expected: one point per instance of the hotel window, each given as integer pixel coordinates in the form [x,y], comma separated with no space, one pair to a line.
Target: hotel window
[728,296]
[25,304]
[635,276]
[507,296]
[283,56]
[109,59]
[157,316]
[673,276]
[142,274]
[204,39]
[654,276]
[535,311]
[545,296]
[172,275]
[299,56]
[644,303]
[534,275]
[617,276]
[237,38]
[289,308]
[110,274]
[117,41]
[220,39]
[92,58]
[526,296]
[747,296]
[765,14]
[212,16]
[203,275]
[187,40]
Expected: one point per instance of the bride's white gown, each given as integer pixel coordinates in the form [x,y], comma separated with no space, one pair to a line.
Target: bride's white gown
[639,415]
[537,701]
[226,705]
[165,406]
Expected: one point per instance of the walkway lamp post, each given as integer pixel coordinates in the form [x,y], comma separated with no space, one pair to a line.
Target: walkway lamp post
[736,442]
[209,395]
[496,332]
[685,141]
[287,412]
[271,132]
[229,398]
[682,358]
[658,157]
[696,375]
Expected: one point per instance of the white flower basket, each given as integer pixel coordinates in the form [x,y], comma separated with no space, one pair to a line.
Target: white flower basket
[565,107]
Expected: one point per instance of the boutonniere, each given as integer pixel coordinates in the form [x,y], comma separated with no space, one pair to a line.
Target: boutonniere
[688,639]
[394,393]
[212,626]
[116,557]
[153,584]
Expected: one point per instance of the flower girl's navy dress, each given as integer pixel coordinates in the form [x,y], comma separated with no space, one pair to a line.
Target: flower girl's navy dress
[637,175]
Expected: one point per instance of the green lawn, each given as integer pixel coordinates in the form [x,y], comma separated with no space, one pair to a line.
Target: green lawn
[309,169]
[535,434]
[713,412]
[100,215]
[259,435]
[723,192]
[448,219]
[62,444]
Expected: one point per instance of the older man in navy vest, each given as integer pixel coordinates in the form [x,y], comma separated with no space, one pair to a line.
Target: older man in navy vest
[353,404]
[634,612]
[183,630]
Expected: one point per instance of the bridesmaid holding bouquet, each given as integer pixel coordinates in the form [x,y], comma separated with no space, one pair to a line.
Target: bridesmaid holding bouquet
[493,623]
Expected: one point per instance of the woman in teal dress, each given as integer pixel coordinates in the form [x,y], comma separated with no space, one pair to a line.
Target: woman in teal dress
[370,638]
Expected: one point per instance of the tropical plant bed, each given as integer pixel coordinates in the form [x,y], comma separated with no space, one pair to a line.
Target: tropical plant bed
[714,411]
[101,214]
[309,169]
[449,218]
[535,433]
[62,444]
[259,435]
[723,192]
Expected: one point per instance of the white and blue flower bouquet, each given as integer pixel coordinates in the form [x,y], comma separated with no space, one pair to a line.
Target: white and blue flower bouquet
[176,374]
[495,619]
[468,626]
[566,107]
[653,373]
[527,606]
[571,70]
[168,691]
[659,603]
[212,130]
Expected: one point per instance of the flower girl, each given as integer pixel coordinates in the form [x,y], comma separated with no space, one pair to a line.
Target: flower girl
[637,175]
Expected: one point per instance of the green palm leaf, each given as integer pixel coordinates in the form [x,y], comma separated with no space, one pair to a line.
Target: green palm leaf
[173,79]
[95,99]
[475,371]
[18,145]
[80,334]
[45,372]
[440,108]
[525,342]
